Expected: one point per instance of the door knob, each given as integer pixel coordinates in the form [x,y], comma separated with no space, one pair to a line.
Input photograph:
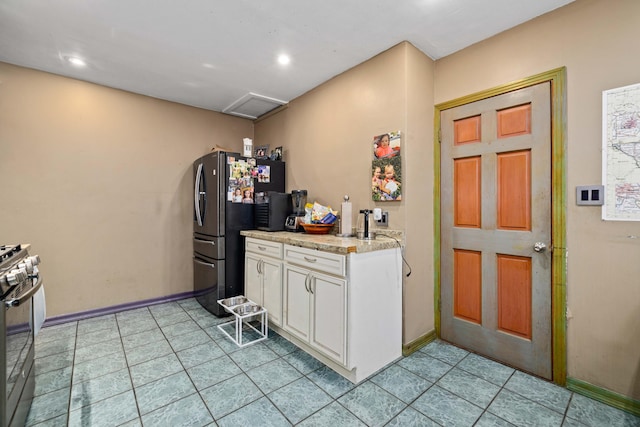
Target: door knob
[539,247]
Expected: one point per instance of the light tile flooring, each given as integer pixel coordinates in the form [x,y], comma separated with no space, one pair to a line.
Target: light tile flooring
[169,365]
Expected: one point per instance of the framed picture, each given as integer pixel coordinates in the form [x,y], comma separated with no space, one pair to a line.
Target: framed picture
[386,181]
[386,145]
[386,168]
[276,154]
[261,152]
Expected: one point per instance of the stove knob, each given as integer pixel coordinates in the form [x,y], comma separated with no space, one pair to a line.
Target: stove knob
[35,259]
[27,265]
[16,276]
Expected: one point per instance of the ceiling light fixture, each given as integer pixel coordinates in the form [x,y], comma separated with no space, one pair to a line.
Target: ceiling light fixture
[74,60]
[284,59]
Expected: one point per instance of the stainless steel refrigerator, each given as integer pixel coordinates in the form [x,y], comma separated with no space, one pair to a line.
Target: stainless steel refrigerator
[218,248]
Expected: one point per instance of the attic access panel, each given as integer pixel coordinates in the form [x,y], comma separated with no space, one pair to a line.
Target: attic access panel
[252,106]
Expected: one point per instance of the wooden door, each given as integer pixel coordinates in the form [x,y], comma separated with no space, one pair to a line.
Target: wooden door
[496,228]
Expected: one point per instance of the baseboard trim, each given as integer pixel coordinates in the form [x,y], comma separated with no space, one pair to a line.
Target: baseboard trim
[605,396]
[65,318]
[415,345]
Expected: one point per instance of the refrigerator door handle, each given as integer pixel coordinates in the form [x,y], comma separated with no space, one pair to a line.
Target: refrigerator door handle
[204,263]
[197,194]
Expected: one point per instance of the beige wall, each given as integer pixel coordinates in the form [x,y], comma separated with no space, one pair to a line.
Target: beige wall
[597,41]
[101,178]
[418,219]
[327,135]
[99,182]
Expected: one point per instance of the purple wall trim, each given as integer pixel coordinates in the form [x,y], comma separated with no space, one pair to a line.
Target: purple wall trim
[65,318]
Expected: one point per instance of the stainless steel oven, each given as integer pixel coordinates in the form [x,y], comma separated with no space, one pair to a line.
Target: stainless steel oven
[19,281]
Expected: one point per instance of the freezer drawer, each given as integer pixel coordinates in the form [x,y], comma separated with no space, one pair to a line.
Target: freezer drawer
[210,248]
[209,283]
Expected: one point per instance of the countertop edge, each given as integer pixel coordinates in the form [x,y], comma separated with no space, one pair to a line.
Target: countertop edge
[387,239]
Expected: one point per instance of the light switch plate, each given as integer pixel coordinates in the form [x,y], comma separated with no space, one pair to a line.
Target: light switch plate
[590,195]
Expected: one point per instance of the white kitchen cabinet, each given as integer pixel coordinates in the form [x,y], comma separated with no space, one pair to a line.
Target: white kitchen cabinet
[314,310]
[252,278]
[341,299]
[263,276]
[296,304]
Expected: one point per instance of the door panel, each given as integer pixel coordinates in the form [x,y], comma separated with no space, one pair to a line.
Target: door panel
[514,190]
[514,295]
[467,192]
[495,205]
[467,130]
[514,121]
[467,285]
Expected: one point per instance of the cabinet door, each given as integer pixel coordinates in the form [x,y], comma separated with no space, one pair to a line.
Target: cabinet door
[328,314]
[252,278]
[272,289]
[296,302]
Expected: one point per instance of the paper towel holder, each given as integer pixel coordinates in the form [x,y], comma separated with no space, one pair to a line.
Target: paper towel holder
[345,228]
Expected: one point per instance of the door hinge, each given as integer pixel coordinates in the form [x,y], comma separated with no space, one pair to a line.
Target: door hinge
[439,135]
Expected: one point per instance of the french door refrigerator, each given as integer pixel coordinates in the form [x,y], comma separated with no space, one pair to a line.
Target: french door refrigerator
[224,186]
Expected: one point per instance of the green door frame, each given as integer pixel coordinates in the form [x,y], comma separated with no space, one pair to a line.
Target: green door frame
[557,78]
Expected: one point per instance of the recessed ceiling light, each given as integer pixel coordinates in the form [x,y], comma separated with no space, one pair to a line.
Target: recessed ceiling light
[74,60]
[284,59]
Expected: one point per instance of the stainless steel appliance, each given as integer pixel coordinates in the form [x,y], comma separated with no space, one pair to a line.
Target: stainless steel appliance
[218,258]
[298,201]
[19,281]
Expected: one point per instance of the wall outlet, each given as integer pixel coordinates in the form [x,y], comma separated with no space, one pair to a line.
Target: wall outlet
[384,220]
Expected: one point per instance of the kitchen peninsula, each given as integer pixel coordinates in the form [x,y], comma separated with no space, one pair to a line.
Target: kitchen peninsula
[339,299]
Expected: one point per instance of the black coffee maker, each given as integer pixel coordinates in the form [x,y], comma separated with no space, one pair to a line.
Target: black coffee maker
[298,201]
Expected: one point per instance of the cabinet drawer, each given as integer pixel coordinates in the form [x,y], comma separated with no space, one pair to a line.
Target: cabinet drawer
[316,260]
[263,247]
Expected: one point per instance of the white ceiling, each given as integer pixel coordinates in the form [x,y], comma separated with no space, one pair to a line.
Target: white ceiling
[212,53]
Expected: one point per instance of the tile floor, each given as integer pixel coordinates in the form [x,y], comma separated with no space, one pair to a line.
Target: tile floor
[169,365]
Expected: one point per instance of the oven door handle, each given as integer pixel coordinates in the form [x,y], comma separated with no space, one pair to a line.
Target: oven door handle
[15,302]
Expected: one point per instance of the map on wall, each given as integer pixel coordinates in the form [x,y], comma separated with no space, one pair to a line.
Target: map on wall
[621,153]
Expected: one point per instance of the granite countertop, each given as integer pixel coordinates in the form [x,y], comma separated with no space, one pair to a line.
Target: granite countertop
[331,242]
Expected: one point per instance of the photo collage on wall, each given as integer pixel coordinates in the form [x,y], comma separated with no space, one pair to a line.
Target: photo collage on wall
[386,170]
[241,179]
